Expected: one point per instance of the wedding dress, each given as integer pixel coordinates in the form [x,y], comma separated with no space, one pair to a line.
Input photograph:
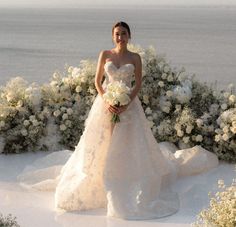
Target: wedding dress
[122,169]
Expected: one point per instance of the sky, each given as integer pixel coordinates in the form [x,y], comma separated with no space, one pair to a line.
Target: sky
[78,3]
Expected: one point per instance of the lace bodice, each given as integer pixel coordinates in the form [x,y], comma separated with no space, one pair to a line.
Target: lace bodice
[124,73]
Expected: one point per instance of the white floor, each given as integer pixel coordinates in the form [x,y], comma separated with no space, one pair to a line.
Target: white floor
[36,209]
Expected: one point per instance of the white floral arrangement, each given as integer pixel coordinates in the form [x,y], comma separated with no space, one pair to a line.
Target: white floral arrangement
[117,94]
[222,209]
[178,108]
[22,120]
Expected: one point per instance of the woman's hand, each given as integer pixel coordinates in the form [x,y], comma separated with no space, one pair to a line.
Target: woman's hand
[122,108]
[112,109]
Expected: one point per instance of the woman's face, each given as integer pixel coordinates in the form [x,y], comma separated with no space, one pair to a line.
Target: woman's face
[120,36]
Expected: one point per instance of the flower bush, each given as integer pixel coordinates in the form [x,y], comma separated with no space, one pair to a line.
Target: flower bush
[222,209]
[179,108]
[8,221]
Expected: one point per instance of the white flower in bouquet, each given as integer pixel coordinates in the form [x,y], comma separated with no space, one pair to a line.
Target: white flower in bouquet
[217,138]
[169,93]
[70,111]
[145,99]
[24,132]
[180,133]
[170,78]
[26,122]
[199,138]
[224,106]
[65,116]
[199,122]
[148,110]
[233,129]
[164,76]
[35,123]
[232,98]
[161,84]
[56,113]
[62,127]
[189,129]
[32,118]
[186,139]
[225,136]
[117,94]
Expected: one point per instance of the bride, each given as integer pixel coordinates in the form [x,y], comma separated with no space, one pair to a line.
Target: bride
[120,166]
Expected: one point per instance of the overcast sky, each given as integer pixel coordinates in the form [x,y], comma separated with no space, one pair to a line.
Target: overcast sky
[77,3]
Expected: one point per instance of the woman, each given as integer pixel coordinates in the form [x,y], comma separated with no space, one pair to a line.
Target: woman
[118,166]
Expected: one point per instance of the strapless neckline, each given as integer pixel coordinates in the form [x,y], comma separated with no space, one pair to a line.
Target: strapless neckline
[118,68]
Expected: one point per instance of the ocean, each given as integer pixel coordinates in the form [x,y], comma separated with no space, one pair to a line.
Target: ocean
[34,43]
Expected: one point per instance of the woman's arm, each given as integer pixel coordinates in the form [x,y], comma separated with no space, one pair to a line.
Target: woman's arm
[100,72]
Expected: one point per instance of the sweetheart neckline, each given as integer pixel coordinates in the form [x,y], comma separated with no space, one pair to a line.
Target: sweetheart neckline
[120,66]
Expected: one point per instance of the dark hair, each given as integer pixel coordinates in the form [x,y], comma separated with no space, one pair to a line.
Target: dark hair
[123,24]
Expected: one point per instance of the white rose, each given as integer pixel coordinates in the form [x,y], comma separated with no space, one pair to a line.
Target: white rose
[177,126]
[224,106]
[189,129]
[166,109]
[233,129]
[19,103]
[170,78]
[32,118]
[180,133]
[169,93]
[145,99]
[78,89]
[217,138]
[70,69]
[148,110]
[24,132]
[26,122]
[225,137]
[35,123]
[161,84]
[65,116]
[164,76]
[225,129]
[62,127]
[56,113]
[199,138]
[69,111]
[68,123]
[186,139]
[232,98]
[199,122]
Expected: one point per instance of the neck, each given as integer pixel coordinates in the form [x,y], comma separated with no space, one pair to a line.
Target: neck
[121,50]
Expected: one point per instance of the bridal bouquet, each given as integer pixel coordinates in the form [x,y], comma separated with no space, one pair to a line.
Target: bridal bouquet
[117,94]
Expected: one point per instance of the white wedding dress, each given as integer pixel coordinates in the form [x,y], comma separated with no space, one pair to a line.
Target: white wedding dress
[123,170]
